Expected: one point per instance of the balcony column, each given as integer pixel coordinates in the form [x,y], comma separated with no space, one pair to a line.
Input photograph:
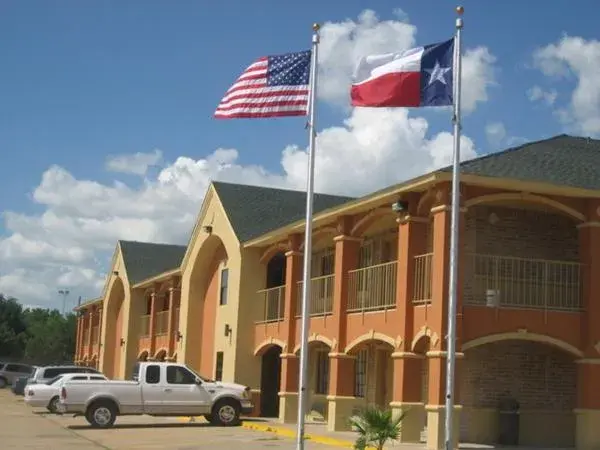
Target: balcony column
[88,341]
[99,343]
[288,387]
[78,343]
[174,296]
[588,395]
[293,275]
[152,333]
[437,319]
[340,396]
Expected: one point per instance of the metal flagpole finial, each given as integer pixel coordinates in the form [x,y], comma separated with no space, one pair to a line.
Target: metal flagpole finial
[460,10]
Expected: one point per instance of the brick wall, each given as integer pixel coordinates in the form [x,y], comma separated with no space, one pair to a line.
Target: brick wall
[504,231]
[538,376]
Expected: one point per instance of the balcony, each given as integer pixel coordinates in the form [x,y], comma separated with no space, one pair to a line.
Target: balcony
[512,282]
[145,325]
[161,323]
[422,279]
[271,303]
[321,296]
[372,288]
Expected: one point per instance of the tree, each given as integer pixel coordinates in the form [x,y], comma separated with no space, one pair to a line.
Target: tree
[375,427]
[12,327]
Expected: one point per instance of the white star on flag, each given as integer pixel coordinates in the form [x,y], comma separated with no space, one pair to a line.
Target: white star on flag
[437,73]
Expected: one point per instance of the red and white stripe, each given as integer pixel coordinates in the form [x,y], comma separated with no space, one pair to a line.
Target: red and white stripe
[391,79]
[251,97]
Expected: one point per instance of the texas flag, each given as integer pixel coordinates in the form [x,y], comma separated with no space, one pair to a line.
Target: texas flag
[417,77]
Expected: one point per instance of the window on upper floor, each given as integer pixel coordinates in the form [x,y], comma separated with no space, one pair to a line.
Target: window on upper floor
[224,286]
[378,249]
[322,263]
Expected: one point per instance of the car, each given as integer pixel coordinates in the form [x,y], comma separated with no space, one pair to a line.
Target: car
[157,389]
[46,373]
[47,394]
[9,372]
[18,387]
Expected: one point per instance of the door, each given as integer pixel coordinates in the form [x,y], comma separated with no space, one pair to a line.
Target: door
[182,394]
[152,390]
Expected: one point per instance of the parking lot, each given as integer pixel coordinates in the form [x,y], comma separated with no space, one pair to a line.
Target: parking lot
[23,427]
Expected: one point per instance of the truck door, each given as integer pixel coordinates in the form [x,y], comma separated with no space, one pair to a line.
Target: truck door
[152,390]
[183,395]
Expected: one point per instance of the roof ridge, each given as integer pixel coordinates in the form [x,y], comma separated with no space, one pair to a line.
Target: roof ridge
[300,191]
[149,243]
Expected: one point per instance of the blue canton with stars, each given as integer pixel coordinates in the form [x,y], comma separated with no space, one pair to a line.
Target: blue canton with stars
[291,69]
[437,74]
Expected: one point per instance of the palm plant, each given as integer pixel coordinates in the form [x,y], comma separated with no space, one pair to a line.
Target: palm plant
[375,427]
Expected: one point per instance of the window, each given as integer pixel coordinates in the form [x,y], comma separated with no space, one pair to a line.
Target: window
[152,374]
[219,367]
[180,375]
[224,284]
[360,368]
[322,373]
[51,373]
[79,377]
[13,368]
[97,378]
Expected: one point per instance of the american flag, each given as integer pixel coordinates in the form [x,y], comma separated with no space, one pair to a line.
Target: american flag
[272,86]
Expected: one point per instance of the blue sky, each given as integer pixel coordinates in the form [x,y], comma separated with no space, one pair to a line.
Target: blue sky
[82,81]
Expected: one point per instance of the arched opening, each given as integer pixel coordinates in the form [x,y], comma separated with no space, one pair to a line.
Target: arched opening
[521,255]
[318,380]
[160,356]
[270,378]
[271,300]
[537,377]
[143,356]
[373,373]
[208,288]
[113,344]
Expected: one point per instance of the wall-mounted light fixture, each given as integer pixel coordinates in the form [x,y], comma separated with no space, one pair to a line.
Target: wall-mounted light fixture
[228,330]
[116,273]
[207,229]
[178,336]
[122,343]
[400,207]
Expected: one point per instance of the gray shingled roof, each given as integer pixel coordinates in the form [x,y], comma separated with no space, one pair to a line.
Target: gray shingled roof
[145,260]
[561,160]
[254,210]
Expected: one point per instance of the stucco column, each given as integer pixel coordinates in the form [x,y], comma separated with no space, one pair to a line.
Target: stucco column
[88,341]
[406,395]
[341,399]
[78,339]
[412,241]
[288,388]
[293,275]
[152,323]
[99,343]
[587,435]
[346,259]
[174,296]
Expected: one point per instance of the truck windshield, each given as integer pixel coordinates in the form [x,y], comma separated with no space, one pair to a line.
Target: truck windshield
[205,379]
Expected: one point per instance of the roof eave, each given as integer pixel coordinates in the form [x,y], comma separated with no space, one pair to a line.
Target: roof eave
[157,278]
[351,207]
[88,303]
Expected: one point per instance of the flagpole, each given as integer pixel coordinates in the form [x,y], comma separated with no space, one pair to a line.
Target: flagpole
[307,241]
[454,226]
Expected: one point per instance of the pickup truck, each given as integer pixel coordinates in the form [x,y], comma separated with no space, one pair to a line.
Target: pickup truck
[157,389]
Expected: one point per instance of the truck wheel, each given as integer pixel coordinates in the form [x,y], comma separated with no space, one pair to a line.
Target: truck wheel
[101,414]
[53,405]
[226,413]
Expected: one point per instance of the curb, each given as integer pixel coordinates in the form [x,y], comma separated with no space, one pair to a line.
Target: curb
[286,432]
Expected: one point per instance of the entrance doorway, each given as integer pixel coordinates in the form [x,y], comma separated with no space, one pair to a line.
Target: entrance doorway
[269,382]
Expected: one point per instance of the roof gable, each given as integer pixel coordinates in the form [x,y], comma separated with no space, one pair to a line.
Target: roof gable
[561,160]
[145,260]
[256,210]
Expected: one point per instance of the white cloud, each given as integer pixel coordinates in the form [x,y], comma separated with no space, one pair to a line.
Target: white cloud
[495,133]
[536,93]
[70,242]
[579,59]
[136,164]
